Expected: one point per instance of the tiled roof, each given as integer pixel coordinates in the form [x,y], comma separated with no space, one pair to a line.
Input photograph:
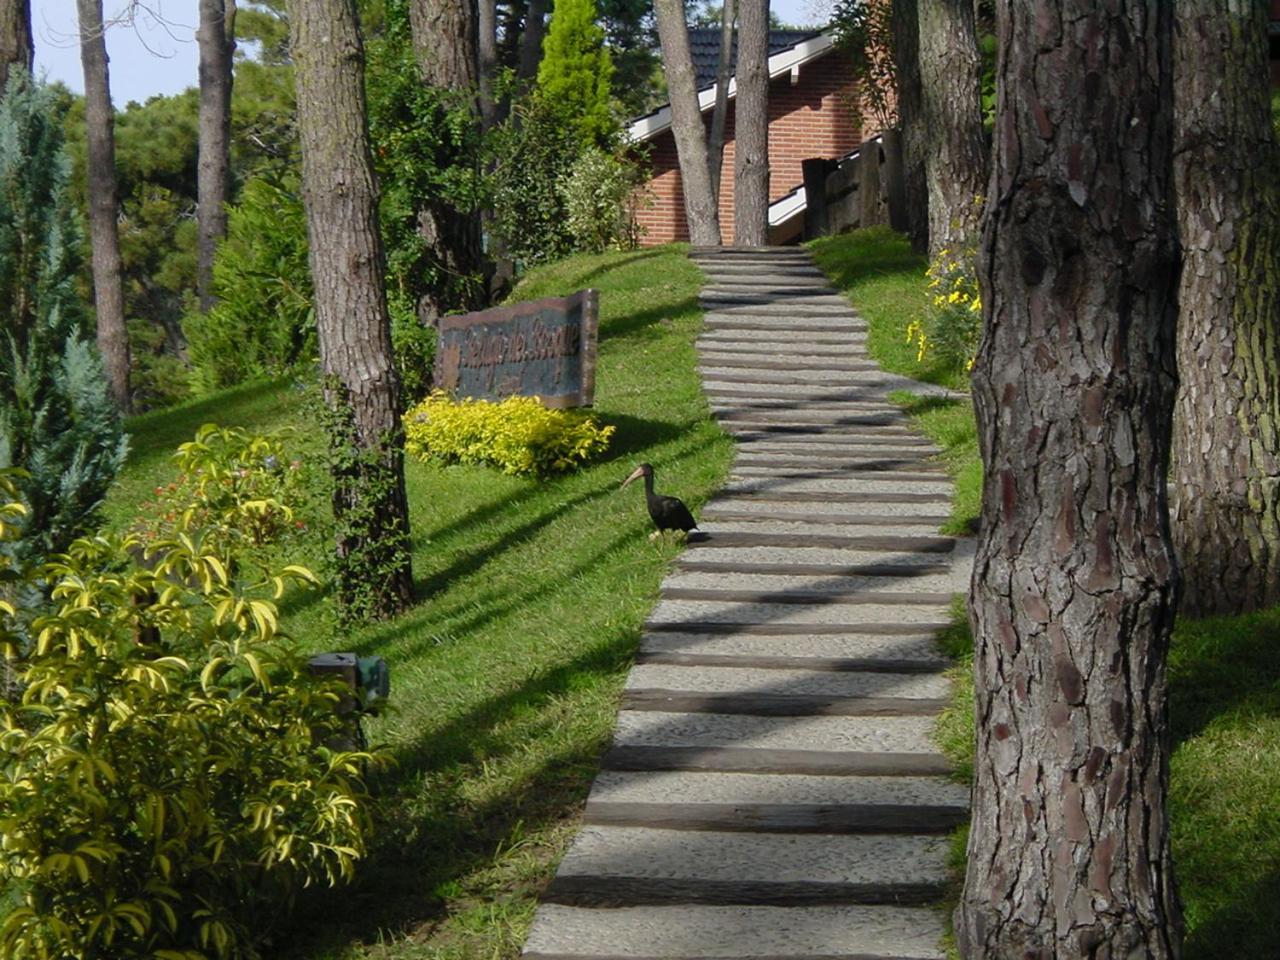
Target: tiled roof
[704,45]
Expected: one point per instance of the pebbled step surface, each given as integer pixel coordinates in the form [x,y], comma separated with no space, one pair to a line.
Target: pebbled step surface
[773,791]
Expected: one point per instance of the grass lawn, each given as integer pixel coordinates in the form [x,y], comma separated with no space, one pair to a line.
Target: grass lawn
[1224,674]
[506,676]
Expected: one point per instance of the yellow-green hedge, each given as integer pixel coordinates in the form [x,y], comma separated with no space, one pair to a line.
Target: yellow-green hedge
[518,434]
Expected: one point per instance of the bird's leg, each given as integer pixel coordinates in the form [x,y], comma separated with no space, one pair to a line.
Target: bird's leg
[654,536]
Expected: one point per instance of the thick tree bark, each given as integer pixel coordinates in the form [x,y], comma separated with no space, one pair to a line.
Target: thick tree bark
[951,97]
[17,47]
[446,47]
[1227,449]
[911,216]
[751,127]
[353,327]
[1074,582]
[216,39]
[99,121]
[686,124]
[724,71]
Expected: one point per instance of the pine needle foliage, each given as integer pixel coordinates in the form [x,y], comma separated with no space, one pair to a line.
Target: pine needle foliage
[56,418]
[576,71]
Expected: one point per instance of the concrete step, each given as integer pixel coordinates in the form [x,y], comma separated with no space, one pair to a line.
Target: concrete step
[887,485]
[614,866]
[618,786]
[836,652]
[918,590]
[857,734]
[814,553]
[771,336]
[847,617]
[735,933]
[758,682]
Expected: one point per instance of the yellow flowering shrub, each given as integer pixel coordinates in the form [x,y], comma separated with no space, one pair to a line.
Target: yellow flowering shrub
[519,435]
[952,328]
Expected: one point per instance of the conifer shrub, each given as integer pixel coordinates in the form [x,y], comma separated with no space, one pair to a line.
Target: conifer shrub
[264,321]
[518,435]
[56,417]
[575,73]
[169,781]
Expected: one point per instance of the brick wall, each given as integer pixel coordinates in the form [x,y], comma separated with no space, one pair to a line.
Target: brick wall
[810,118]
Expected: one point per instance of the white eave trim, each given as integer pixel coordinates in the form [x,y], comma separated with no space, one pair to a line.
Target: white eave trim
[784,61]
[784,208]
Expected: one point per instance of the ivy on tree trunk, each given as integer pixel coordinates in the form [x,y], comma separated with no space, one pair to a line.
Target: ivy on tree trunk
[1074,583]
[1227,440]
[354,330]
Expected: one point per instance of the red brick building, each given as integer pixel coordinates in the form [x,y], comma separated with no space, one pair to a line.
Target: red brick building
[811,93]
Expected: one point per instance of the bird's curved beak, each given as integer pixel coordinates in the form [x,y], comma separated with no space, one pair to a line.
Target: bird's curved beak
[637,472]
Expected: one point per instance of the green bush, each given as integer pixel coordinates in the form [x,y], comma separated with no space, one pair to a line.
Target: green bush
[231,484]
[263,322]
[575,72]
[600,192]
[414,345]
[952,328]
[518,434]
[533,150]
[168,785]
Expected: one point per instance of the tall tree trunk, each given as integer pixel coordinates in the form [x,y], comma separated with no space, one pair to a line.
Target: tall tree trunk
[104,206]
[446,47]
[487,59]
[1227,450]
[17,47]
[951,97]
[1074,582]
[724,71]
[354,330]
[751,127]
[912,214]
[535,28]
[217,41]
[686,124]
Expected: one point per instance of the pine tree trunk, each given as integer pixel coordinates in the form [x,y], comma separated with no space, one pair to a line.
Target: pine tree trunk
[99,121]
[16,44]
[487,59]
[535,29]
[951,97]
[724,71]
[1074,582]
[751,127]
[911,216]
[446,47]
[216,39]
[352,324]
[1226,450]
[686,124]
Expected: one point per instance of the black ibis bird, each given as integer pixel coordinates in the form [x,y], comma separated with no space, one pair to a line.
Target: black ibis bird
[668,513]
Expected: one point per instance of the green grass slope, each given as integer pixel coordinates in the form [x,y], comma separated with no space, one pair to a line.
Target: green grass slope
[506,675]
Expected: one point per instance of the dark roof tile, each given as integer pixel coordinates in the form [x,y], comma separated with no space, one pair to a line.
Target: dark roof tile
[704,45]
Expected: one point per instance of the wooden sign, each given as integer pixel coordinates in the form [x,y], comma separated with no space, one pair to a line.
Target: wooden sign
[543,348]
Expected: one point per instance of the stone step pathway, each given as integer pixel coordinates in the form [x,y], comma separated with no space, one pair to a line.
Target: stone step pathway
[773,791]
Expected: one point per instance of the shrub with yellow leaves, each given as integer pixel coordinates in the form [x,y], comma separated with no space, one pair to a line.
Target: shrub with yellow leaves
[951,329]
[518,434]
[168,783]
